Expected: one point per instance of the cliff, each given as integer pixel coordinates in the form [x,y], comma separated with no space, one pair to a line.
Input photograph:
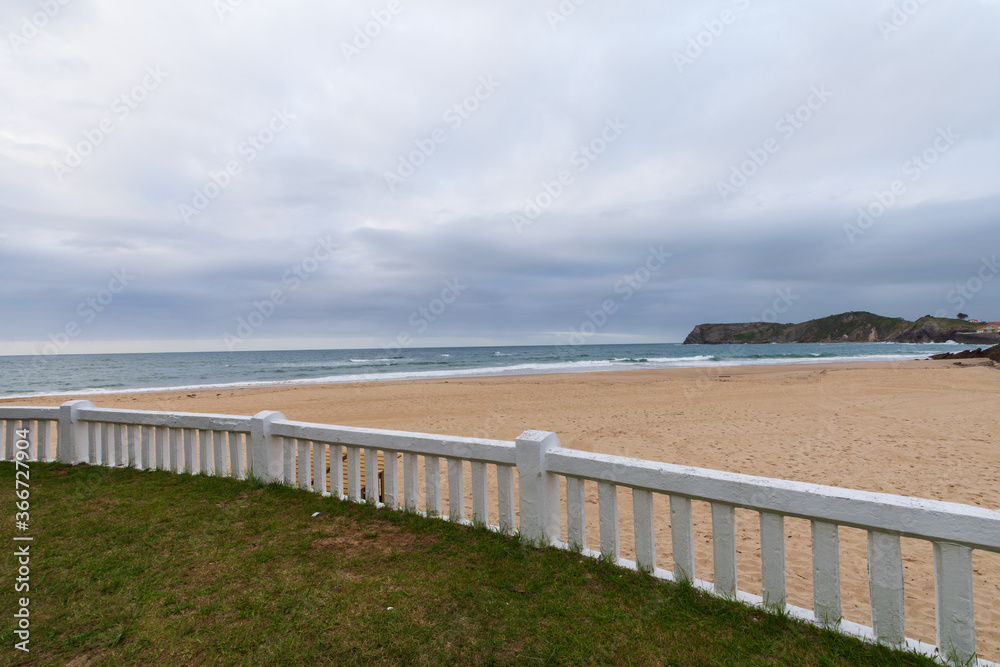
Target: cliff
[853,327]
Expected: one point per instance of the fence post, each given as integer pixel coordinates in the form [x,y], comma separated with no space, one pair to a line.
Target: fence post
[268,462]
[539,489]
[71,445]
[956,615]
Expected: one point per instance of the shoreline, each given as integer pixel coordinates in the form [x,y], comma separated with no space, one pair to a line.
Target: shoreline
[750,419]
[431,376]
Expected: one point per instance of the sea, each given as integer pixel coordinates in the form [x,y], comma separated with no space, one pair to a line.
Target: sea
[41,375]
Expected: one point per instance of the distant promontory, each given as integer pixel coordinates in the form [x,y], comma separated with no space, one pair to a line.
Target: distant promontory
[853,327]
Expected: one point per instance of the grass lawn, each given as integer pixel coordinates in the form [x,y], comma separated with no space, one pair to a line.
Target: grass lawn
[153,568]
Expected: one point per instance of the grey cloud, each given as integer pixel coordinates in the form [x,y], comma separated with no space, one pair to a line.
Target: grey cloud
[324,175]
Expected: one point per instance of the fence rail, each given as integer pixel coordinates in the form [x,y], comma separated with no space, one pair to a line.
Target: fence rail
[320,457]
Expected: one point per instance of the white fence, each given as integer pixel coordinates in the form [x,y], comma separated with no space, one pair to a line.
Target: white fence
[272,448]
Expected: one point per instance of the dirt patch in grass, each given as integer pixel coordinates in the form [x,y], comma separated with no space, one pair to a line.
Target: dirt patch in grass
[353,540]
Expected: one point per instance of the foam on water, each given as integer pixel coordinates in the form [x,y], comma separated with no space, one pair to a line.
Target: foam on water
[99,374]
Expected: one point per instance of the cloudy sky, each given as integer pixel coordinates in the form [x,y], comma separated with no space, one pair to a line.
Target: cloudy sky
[244,174]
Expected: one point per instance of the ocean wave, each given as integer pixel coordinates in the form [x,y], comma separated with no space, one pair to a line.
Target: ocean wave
[827,359]
[414,367]
[785,355]
[307,364]
[515,369]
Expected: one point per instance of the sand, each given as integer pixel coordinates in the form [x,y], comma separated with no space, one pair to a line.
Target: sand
[927,429]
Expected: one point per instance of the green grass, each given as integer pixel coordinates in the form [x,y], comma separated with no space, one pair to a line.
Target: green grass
[762,332]
[836,326]
[149,568]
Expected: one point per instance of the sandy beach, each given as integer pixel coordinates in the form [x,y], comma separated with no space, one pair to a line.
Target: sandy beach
[918,428]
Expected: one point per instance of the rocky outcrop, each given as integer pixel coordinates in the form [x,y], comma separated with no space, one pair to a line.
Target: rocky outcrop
[853,327]
[930,330]
[753,332]
[992,353]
